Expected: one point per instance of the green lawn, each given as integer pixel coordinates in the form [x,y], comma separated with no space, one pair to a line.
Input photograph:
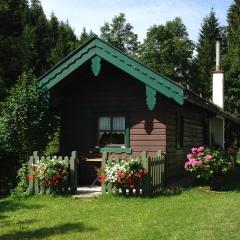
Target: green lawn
[194,214]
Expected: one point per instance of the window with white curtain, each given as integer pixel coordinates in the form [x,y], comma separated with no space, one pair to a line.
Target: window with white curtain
[111,130]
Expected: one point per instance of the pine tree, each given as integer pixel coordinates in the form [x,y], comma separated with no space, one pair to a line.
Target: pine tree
[210,32]
[168,50]
[231,61]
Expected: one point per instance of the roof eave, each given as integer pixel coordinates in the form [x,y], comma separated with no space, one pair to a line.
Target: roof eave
[195,99]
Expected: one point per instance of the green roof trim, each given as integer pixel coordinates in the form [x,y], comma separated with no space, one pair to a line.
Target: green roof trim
[96,47]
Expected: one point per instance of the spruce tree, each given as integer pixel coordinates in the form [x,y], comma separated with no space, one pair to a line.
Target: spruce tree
[63,41]
[39,27]
[12,20]
[85,36]
[210,32]
[231,61]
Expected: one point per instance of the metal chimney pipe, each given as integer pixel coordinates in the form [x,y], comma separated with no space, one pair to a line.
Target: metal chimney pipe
[218,66]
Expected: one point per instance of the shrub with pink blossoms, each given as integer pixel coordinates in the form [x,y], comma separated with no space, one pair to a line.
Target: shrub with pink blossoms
[208,162]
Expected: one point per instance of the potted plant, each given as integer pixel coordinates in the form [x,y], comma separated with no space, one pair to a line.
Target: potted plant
[209,163]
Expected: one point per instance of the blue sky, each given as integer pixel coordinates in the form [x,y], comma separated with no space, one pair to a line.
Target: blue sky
[140,13]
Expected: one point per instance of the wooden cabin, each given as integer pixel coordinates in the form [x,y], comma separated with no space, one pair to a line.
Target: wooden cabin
[110,102]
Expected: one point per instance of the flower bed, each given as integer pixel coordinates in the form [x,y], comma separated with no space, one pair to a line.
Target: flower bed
[50,173]
[122,175]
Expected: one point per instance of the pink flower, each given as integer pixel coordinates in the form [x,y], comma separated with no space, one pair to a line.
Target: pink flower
[194,163]
[200,149]
[194,150]
[208,157]
[200,162]
[199,154]
[187,165]
[189,156]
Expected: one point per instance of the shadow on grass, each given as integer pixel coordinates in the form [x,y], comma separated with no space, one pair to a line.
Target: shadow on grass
[12,205]
[6,223]
[45,232]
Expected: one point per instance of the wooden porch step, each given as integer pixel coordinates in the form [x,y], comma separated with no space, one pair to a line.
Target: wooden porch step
[87,192]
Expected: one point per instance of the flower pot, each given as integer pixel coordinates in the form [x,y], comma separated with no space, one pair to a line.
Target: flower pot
[216,183]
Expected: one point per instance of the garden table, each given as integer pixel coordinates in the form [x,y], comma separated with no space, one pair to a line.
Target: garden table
[94,160]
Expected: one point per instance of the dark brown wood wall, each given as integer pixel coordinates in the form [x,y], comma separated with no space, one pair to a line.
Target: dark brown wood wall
[193,135]
[113,91]
[82,97]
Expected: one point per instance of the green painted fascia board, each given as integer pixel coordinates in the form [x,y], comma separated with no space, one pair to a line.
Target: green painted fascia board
[118,59]
[70,56]
[165,89]
[68,65]
[141,72]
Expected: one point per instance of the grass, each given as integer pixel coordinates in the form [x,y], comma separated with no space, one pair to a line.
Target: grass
[193,214]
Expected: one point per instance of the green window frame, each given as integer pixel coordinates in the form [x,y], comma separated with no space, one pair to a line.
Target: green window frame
[179,131]
[115,148]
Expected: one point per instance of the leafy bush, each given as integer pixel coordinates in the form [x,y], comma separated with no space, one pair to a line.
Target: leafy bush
[125,174]
[25,126]
[22,177]
[53,146]
[25,121]
[208,163]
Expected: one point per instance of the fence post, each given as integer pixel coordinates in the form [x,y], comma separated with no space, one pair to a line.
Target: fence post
[30,186]
[163,160]
[35,155]
[146,177]
[104,161]
[73,172]
[159,153]
[36,182]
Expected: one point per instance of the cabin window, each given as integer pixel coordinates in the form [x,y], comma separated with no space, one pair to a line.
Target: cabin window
[111,131]
[179,131]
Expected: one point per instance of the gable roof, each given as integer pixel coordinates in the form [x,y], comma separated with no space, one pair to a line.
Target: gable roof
[95,49]
[154,81]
